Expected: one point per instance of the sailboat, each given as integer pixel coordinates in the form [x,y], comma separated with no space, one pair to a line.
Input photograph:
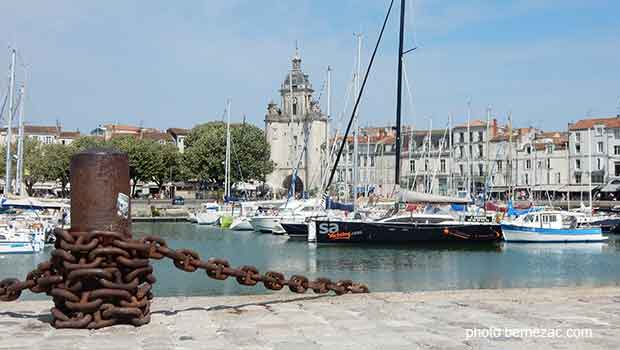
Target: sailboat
[408,227]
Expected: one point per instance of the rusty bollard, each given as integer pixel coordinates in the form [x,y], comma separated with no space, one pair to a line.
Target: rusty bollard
[106,281]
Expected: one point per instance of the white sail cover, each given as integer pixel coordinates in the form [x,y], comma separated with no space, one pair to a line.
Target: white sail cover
[420,197]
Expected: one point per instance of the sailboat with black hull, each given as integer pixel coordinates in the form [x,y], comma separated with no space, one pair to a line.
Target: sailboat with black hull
[400,227]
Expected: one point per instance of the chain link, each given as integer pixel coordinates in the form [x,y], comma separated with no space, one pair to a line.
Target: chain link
[102,278]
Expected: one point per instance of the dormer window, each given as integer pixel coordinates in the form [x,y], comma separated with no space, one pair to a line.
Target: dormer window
[599,130]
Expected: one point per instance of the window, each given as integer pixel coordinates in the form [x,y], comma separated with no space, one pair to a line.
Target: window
[480,150]
[470,152]
[599,130]
[480,136]
[548,163]
[577,178]
[528,164]
[499,165]
[294,108]
[527,179]
[598,163]
[577,163]
[599,147]
[471,136]
[558,178]
[578,137]
[443,165]
[577,148]
[548,178]
[412,165]
[462,151]
[461,169]
[426,165]
[529,149]
[539,164]
[480,169]
[549,148]
[617,133]
[462,137]
[616,150]
[372,161]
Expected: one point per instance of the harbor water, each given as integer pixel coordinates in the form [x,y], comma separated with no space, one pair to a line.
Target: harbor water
[383,268]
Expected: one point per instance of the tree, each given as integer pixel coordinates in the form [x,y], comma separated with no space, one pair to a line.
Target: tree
[88,142]
[251,153]
[144,159]
[170,160]
[56,162]
[205,152]
[34,164]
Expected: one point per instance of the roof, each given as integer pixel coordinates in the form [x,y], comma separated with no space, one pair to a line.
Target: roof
[178,131]
[584,124]
[119,127]
[36,129]
[472,124]
[69,134]
[157,136]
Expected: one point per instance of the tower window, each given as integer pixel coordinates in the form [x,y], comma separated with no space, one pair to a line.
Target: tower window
[294,108]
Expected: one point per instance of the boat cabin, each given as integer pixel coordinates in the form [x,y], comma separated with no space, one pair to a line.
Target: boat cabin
[549,219]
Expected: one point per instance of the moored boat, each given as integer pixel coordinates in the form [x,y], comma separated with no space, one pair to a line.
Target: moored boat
[550,226]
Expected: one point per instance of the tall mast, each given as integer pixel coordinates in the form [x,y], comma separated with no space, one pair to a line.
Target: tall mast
[590,167]
[399,90]
[367,165]
[510,160]
[356,171]
[227,162]
[293,155]
[20,143]
[469,155]
[450,176]
[7,177]
[568,173]
[488,154]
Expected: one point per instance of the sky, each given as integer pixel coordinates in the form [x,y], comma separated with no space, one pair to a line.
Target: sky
[168,64]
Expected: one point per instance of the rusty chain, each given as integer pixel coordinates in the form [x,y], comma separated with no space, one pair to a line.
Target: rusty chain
[102,278]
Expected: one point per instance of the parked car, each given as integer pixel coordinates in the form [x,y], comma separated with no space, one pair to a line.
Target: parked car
[178,200]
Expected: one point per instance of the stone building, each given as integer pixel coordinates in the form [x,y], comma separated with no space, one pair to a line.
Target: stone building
[376,158]
[426,161]
[296,131]
[469,152]
[43,134]
[603,141]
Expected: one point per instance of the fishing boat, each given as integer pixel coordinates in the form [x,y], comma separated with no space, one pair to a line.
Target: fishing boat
[550,226]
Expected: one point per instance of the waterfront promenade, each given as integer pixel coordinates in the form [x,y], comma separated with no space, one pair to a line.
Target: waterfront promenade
[419,320]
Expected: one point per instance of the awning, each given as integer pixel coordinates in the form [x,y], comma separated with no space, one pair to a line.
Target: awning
[498,189]
[548,188]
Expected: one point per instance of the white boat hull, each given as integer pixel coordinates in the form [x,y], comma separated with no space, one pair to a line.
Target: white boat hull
[514,233]
[241,224]
[20,247]
[267,224]
[207,218]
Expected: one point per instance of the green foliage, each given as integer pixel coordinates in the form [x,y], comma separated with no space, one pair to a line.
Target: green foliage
[56,160]
[88,142]
[145,160]
[205,152]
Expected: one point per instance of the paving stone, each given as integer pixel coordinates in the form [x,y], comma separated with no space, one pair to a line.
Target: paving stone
[425,320]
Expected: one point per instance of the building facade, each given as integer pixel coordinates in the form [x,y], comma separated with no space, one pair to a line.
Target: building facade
[43,134]
[296,131]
